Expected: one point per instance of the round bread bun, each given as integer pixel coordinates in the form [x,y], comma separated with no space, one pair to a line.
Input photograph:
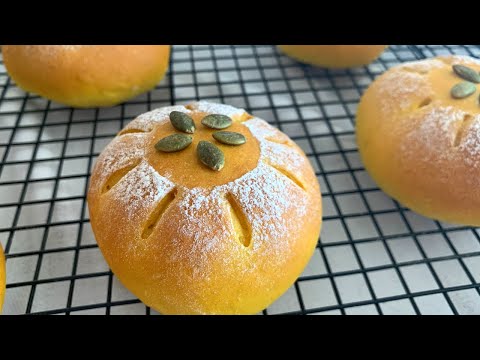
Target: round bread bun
[421,145]
[334,56]
[2,278]
[186,239]
[86,75]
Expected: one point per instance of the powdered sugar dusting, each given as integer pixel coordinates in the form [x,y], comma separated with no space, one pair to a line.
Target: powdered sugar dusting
[211,108]
[147,121]
[122,151]
[398,90]
[265,202]
[140,189]
[421,66]
[265,131]
[436,132]
[283,156]
[471,143]
[210,204]
[274,153]
[458,59]
[433,142]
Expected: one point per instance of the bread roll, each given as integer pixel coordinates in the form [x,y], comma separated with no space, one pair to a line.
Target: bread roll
[2,278]
[187,239]
[420,144]
[86,75]
[334,56]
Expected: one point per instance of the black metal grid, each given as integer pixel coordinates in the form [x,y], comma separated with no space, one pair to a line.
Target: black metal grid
[374,256]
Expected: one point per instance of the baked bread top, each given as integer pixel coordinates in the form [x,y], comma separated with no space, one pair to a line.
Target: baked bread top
[421,143]
[260,215]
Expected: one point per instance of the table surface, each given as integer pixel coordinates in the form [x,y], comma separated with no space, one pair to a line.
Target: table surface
[373,256]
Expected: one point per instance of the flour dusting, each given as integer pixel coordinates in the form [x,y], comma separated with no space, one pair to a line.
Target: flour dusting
[121,152]
[471,142]
[398,90]
[147,121]
[212,108]
[435,133]
[421,66]
[140,189]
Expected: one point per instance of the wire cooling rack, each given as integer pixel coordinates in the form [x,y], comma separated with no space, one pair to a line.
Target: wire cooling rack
[373,257]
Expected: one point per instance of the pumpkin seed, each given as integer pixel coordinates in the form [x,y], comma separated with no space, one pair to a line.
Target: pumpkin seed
[173,143]
[466,73]
[229,137]
[463,90]
[210,155]
[182,122]
[217,121]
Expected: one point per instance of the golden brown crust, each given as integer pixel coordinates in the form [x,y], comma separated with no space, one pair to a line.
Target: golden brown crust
[229,247]
[86,75]
[421,145]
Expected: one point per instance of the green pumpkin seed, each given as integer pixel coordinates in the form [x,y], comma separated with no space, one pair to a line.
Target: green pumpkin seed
[466,73]
[172,143]
[182,122]
[463,90]
[210,155]
[229,137]
[217,121]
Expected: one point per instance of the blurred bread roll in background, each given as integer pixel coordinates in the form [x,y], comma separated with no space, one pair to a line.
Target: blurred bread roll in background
[334,56]
[418,134]
[86,75]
